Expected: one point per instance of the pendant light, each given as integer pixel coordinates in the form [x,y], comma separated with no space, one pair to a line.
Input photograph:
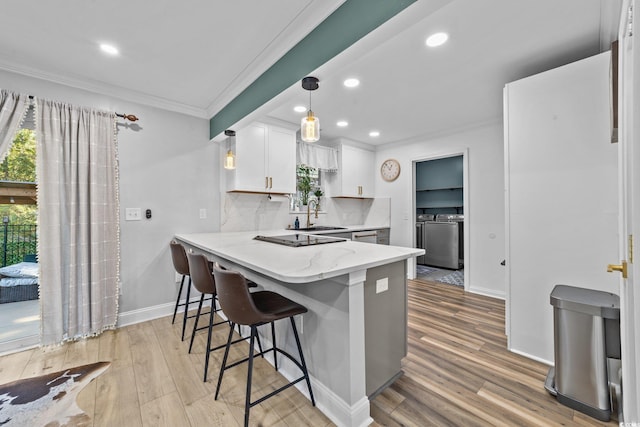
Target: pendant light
[310,124]
[230,158]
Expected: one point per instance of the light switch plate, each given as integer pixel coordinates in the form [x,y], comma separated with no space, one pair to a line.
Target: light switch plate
[203,213]
[382,285]
[132,214]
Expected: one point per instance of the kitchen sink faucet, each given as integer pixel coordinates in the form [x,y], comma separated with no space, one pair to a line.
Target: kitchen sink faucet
[309,223]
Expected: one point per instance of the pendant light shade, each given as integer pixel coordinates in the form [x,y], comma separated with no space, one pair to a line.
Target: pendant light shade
[310,125]
[310,128]
[230,158]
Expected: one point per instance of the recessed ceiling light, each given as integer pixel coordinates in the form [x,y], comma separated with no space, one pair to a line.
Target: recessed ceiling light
[374,133]
[437,39]
[300,109]
[352,82]
[110,49]
[342,123]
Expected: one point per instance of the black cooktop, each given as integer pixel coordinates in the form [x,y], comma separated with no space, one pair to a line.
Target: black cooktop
[297,240]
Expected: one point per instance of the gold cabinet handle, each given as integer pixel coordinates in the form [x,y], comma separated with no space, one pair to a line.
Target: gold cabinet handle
[619,267]
[270,182]
[266,182]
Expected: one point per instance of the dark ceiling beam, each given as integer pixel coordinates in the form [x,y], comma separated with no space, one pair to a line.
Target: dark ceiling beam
[346,25]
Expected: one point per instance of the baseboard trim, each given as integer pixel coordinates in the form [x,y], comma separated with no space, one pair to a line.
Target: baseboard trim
[529,356]
[151,313]
[487,292]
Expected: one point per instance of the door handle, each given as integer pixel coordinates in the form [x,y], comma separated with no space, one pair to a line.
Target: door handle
[619,267]
[270,182]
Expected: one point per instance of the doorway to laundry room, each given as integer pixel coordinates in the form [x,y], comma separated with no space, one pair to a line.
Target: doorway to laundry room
[440,219]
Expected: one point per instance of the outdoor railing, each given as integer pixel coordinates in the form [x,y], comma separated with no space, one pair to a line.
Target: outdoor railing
[16,241]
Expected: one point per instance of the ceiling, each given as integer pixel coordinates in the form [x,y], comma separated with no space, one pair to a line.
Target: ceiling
[196,59]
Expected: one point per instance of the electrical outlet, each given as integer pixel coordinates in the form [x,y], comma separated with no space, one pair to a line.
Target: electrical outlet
[382,285]
[132,214]
[178,277]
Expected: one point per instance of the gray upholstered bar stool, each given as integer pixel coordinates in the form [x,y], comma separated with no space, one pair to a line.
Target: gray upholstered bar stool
[254,309]
[181,265]
[204,282]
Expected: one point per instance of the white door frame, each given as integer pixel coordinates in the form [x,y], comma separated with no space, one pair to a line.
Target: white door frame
[465,200]
[629,198]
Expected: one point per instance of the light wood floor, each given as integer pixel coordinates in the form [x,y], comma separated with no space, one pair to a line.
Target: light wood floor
[458,373]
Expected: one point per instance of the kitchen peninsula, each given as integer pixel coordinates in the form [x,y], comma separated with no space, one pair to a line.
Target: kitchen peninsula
[354,335]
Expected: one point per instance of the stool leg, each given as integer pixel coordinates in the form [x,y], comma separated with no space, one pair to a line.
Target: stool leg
[224,360]
[175,310]
[259,344]
[195,323]
[273,339]
[247,400]
[302,362]
[186,308]
[206,360]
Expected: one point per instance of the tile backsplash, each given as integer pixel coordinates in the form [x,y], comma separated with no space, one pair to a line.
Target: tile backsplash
[256,212]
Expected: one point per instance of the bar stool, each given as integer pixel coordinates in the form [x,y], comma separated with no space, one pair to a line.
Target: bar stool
[181,265]
[204,282]
[255,309]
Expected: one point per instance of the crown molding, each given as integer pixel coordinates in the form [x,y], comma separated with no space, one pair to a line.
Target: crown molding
[106,89]
[441,133]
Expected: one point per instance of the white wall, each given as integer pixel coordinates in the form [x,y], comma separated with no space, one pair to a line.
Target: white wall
[562,226]
[168,165]
[485,212]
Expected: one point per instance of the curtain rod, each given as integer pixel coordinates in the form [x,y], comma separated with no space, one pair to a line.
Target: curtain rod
[129,117]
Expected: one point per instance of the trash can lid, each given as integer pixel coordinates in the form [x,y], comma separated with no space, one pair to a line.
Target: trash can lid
[588,301]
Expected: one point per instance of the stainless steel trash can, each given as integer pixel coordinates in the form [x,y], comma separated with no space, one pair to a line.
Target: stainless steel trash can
[586,333]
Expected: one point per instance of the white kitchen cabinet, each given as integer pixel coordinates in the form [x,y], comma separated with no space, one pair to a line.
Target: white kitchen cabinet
[265,160]
[355,177]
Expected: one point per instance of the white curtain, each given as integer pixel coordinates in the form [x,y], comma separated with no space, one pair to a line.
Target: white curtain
[78,242]
[317,156]
[13,108]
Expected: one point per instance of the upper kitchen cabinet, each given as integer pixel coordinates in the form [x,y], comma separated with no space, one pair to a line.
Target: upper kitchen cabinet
[355,177]
[265,160]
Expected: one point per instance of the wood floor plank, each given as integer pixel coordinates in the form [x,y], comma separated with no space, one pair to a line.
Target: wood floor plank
[186,376]
[115,347]
[458,372]
[13,365]
[210,412]
[82,352]
[165,411]
[45,360]
[117,399]
[153,376]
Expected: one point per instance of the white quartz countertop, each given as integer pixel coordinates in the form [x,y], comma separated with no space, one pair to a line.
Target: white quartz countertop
[297,264]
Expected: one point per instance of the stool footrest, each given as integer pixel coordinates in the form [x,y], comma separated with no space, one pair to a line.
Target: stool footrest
[273,393]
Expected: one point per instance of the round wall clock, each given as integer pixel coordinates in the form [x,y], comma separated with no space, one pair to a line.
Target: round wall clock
[390,170]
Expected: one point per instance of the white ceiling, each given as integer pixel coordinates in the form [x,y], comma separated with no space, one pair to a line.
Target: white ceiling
[194,57]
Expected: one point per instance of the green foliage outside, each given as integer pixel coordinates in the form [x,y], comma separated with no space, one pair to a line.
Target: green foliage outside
[20,234]
[20,165]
